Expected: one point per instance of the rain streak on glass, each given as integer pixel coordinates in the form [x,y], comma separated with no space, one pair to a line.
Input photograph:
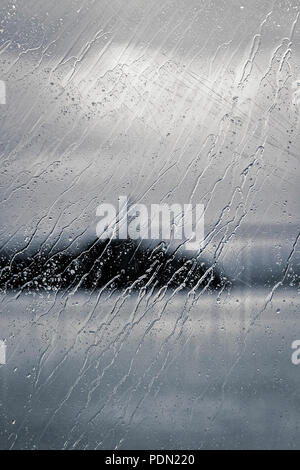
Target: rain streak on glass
[145,342]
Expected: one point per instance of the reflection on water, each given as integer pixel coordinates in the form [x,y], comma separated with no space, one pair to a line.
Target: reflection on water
[131,372]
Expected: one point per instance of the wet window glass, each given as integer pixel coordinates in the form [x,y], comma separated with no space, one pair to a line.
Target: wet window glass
[149,236]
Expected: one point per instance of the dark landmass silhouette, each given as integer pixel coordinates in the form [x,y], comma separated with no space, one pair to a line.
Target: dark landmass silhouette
[115,264]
